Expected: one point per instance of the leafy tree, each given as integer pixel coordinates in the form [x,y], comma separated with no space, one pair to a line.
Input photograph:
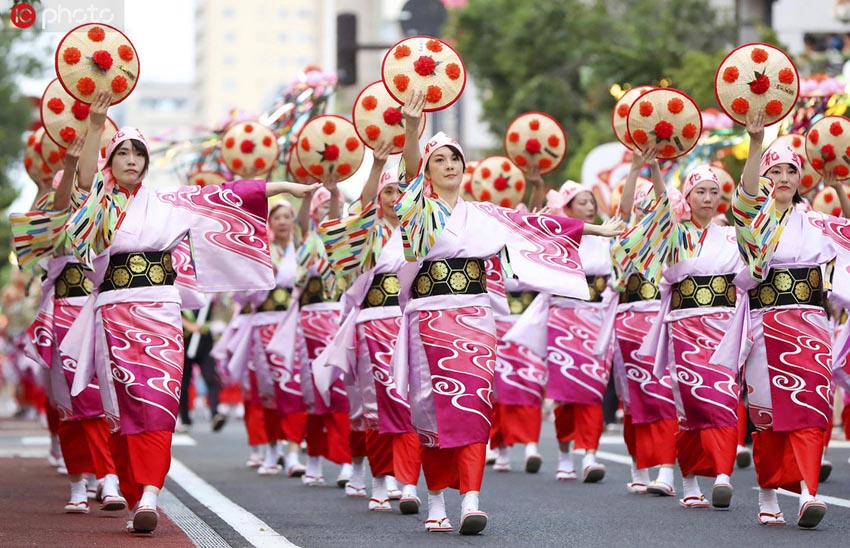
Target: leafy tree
[563,56]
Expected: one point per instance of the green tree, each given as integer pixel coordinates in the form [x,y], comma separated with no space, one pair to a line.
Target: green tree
[563,56]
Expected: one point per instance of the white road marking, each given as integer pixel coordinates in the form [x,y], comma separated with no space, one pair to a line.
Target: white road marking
[614,457]
[829,500]
[256,531]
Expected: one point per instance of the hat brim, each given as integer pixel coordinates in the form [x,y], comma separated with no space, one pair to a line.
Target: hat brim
[316,139]
[498,180]
[442,86]
[540,133]
[371,112]
[37,169]
[620,115]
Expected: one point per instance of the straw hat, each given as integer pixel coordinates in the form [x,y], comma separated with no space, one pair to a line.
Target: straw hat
[64,117]
[809,177]
[620,114]
[38,170]
[667,119]
[536,138]
[828,146]
[756,76]
[249,149]
[95,57]
[617,193]
[498,180]
[296,171]
[329,144]
[826,201]
[424,63]
[727,187]
[377,118]
[466,181]
[51,153]
[207,178]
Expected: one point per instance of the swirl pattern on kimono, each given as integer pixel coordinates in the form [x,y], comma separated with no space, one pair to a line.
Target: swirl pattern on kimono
[572,336]
[240,232]
[285,381]
[41,333]
[463,371]
[155,352]
[181,260]
[632,327]
[381,337]
[319,328]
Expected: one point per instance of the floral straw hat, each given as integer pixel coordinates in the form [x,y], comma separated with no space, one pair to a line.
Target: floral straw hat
[424,63]
[828,146]
[620,114]
[498,180]
[667,119]
[96,57]
[826,201]
[617,193]
[727,187]
[38,170]
[809,178]
[207,178]
[377,117]
[297,172]
[249,149]
[756,76]
[64,118]
[536,138]
[466,181]
[329,144]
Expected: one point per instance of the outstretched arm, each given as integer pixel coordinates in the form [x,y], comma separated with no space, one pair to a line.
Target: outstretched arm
[303,217]
[612,227]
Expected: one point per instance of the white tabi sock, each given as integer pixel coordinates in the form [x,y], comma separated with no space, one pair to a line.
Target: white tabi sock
[665,474]
[379,488]
[392,484]
[91,483]
[768,502]
[408,491]
[110,485]
[345,471]
[690,487]
[78,491]
[469,504]
[292,459]
[272,454]
[436,507]
[565,461]
[588,459]
[502,456]
[722,478]
[640,475]
[148,499]
[531,449]
[358,474]
[314,466]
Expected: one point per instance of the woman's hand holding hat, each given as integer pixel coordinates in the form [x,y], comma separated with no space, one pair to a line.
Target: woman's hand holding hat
[97,112]
[755,124]
[412,110]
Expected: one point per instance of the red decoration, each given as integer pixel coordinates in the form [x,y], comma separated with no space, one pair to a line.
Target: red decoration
[80,110]
[645,108]
[392,116]
[247,146]
[259,163]
[317,169]
[505,202]
[834,128]
[352,143]
[841,170]
[730,74]
[71,56]
[663,130]
[401,81]
[434,45]
[640,136]
[433,94]
[424,66]
[675,105]
[485,195]
[398,140]
[344,169]
[760,85]
[689,131]
[401,52]
[668,150]
[814,136]
[372,132]
[544,163]
[328,127]
[369,102]
[267,141]
[229,142]
[331,153]
[817,163]
[506,166]
[513,137]
[740,105]
[534,125]
[786,76]
[125,52]
[623,110]
[773,107]
[485,172]
[85,86]
[500,183]
[758,55]
[827,152]
[119,84]
[96,34]
[305,144]
[56,105]
[102,59]
[532,146]
[27,162]
[249,128]
[520,161]
[796,141]
[554,140]
[519,185]
[453,71]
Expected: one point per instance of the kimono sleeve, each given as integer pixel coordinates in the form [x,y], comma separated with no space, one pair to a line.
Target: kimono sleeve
[36,235]
[422,219]
[645,246]
[758,227]
[350,242]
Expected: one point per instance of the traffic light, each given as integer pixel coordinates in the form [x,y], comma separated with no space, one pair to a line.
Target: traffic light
[346,48]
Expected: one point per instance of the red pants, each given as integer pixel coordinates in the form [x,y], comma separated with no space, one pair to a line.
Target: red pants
[262,424]
[459,468]
[141,459]
[328,436]
[580,423]
[293,426]
[394,455]
[515,424]
[357,443]
[742,422]
[783,459]
[651,444]
[845,418]
[85,446]
[52,419]
[707,452]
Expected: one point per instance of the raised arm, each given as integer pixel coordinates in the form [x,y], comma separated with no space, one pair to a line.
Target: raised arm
[750,175]
[830,180]
[303,217]
[412,111]
[370,189]
[627,199]
[538,192]
[335,202]
[62,196]
[91,148]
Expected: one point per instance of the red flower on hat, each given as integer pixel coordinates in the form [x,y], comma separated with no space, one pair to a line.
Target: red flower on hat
[786,76]
[807,180]
[80,110]
[623,110]
[328,127]
[814,136]
[730,74]
[392,116]
[330,153]
[645,108]
[434,94]
[267,141]
[841,170]
[506,166]
[237,163]
[37,147]
[727,187]
[344,169]
[675,105]
[668,151]
[453,71]
[96,34]
[663,130]
[817,163]
[27,162]
[259,163]
[401,51]
[229,142]
[125,52]
[398,140]
[467,187]
[554,141]
[85,86]
[760,85]
[533,146]
[500,183]
[628,137]
[544,163]
[401,81]
[520,160]
[640,137]
[31,139]
[513,137]
[67,134]
[317,169]
[56,155]
[689,131]
[796,141]
[485,195]
[246,146]
[372,132]
[102,59]
[71,56]
[56,105]
[119,84]
[758,55]
[352,143]
[836,129]
[434,45]
[424,66]
[369,102]
[506,202]
[300,172]
[485,172]
[534,125]
[827,152]
[773,107]
[740,105]
[519,185]
[847,151]
[249,128]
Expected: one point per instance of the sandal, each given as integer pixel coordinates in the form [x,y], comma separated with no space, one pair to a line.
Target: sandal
[811,513]
[377,505]
[313,481]
[533,464]
[145,519]
[636,488]
[355,490]
[768,518]
[721,496]
[472,523]
[77,507]
[113,503]
[565,475]
[273,470]
[661,488]
[441,525]
[409,504]
[593,473]
[694,502]
[296,470]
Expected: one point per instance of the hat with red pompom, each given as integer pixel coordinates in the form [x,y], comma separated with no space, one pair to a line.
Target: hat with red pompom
[498,180]
[427,64]
[828,146]
[666,119]
[329,144]
[536,139]
[378,118]
[620,114]
[249,149]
